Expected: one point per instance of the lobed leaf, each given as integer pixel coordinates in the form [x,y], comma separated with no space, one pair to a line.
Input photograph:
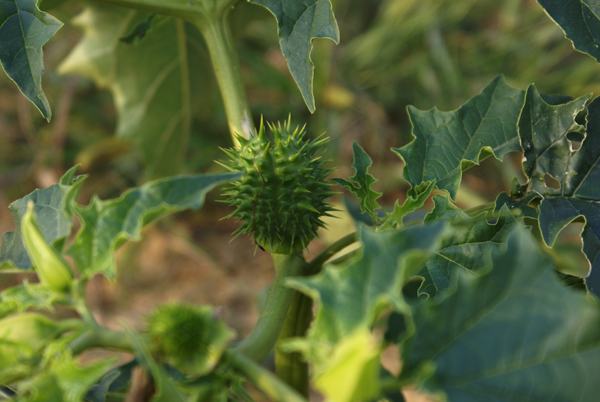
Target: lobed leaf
[339,343]
[26,296]
[106,225]
[150,80]
[24,29]
[515,333]
[412,203]
[362,182]
[299,22]
[55,218]
[446,143]
[579,20]
[468,251]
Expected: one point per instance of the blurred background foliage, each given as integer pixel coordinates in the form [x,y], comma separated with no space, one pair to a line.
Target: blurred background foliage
[426,53]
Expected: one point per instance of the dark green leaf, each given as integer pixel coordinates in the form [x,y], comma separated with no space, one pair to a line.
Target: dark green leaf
[580,22]
[106,225]
[299,22]
[468,251]
[150,81]
[573,282]
[362,182]
[557,212]
[520,203]
[139,32]
[54,217]
[24,29]
[113,381]
[514,334]
[447,143]
[547,150]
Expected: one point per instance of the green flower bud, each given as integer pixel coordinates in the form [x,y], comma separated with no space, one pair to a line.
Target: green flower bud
[281,197]
[54,272]
[190,338]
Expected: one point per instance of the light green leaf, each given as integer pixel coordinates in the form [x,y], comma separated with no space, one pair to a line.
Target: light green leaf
[25,296]
[106,225]
[54,217]
[362,182]
[447,143]
[412,203]
[468,250]
[24,29]
[150,81]
[18,361]
[516,333]
[579,20]
[299,22]
[354,363]
[350,299]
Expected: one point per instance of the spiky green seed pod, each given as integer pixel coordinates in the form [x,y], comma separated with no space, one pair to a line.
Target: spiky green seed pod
[281,197]
[188,337]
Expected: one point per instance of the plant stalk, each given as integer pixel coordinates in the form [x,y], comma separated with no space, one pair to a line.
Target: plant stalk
[101,338]
[275,389]
[259,343]
[317,262]
[225,62]
[290,367]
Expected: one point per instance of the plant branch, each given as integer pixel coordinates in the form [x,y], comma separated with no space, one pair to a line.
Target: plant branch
[263,337]
[480,208]
[317,262]
[101,338]
[290,367]
[275,389]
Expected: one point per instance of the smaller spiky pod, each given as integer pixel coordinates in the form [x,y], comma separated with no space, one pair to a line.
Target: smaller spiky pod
[281,196]
[188,337]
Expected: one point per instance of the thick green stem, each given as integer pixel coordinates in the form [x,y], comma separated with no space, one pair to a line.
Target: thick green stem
[101,338]
[264,380]
[216,33]
[290,367]
[263,337]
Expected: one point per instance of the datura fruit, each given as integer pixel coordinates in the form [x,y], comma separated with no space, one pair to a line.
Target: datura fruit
[282,194]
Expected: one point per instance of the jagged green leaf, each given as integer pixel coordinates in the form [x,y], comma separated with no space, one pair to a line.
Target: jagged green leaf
[580,21]
[412,203]
[54,217]
[547,150]
[24,29]
[447,143]
[150,80]
[349,299]
[106,225]
[557,212]
[299,22]
[514,334]
[468,251]
[26,296]
[362,182]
